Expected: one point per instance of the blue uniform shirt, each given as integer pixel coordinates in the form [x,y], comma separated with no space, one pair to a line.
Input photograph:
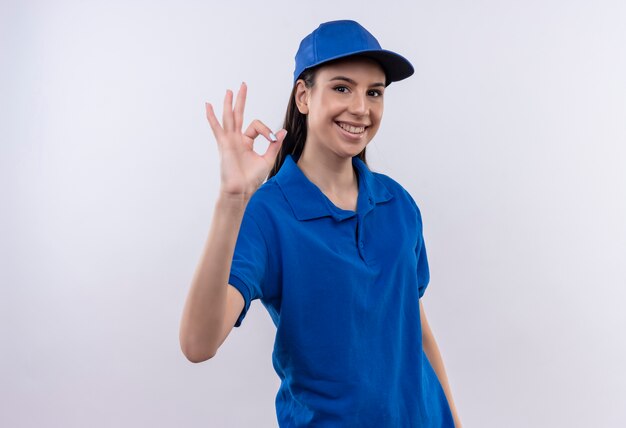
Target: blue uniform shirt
[342,289]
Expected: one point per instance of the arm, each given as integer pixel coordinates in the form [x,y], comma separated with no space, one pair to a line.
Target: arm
[434,356]
[213,306]
[210,300]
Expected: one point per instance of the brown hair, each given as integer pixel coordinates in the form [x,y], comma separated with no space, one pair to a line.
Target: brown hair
[296,126]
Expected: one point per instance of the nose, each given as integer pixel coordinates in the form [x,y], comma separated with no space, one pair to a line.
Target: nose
[358,104]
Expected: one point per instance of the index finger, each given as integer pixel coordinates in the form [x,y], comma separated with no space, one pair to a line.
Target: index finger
[257,128]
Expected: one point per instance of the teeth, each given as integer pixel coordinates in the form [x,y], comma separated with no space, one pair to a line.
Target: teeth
[352,129]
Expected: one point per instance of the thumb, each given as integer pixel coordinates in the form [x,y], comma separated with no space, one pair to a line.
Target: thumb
[274,147]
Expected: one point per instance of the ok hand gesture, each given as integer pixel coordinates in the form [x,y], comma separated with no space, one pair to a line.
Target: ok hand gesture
[242,170]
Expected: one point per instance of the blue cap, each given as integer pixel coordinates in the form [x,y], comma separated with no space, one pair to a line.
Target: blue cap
[338,39]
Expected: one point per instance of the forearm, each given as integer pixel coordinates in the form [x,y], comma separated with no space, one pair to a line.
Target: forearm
[204,310]
[431,349]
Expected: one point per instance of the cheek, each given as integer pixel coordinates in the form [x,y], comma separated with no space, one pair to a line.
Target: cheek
[316,123]
[321,120]
[378,114]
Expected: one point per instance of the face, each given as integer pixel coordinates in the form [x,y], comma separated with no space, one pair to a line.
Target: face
[344,107]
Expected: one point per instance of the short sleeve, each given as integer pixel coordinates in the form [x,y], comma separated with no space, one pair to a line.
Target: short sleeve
[249,266]
[423,271]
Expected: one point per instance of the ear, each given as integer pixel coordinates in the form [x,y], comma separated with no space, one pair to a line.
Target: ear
[302,97]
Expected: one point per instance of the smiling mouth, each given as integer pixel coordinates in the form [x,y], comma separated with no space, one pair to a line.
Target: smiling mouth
[352,129]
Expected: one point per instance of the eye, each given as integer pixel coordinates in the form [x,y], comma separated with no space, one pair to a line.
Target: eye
[338,88]
[376,93]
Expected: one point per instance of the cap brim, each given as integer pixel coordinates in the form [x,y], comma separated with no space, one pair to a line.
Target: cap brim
[396,66]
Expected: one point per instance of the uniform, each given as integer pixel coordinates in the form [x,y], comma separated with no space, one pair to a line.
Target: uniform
[342,289]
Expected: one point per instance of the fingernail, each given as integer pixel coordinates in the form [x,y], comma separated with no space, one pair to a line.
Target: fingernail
[273,137]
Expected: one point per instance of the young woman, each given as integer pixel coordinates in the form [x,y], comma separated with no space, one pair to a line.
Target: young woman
[334,250]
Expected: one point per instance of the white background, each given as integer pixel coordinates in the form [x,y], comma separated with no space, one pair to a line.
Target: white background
[510,136]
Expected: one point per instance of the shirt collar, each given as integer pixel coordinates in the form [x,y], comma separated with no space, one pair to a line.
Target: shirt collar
[308,201]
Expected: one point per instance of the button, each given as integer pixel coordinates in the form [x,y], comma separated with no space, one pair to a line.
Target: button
[361,244]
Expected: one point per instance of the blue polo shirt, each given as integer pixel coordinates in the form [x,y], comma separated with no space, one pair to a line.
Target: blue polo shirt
[342,289]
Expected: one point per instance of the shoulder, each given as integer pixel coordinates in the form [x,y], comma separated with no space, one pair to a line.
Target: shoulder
[265,202]
[391,184]
[397,190]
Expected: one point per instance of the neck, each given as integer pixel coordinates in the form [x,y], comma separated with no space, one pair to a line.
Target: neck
[333,174]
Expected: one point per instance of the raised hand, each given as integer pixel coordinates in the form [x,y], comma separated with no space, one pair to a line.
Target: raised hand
[242,170]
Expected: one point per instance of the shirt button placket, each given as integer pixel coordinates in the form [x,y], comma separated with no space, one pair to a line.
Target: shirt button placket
[360,221]
[360,237]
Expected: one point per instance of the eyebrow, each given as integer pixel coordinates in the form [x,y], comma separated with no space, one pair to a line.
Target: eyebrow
[347,79]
